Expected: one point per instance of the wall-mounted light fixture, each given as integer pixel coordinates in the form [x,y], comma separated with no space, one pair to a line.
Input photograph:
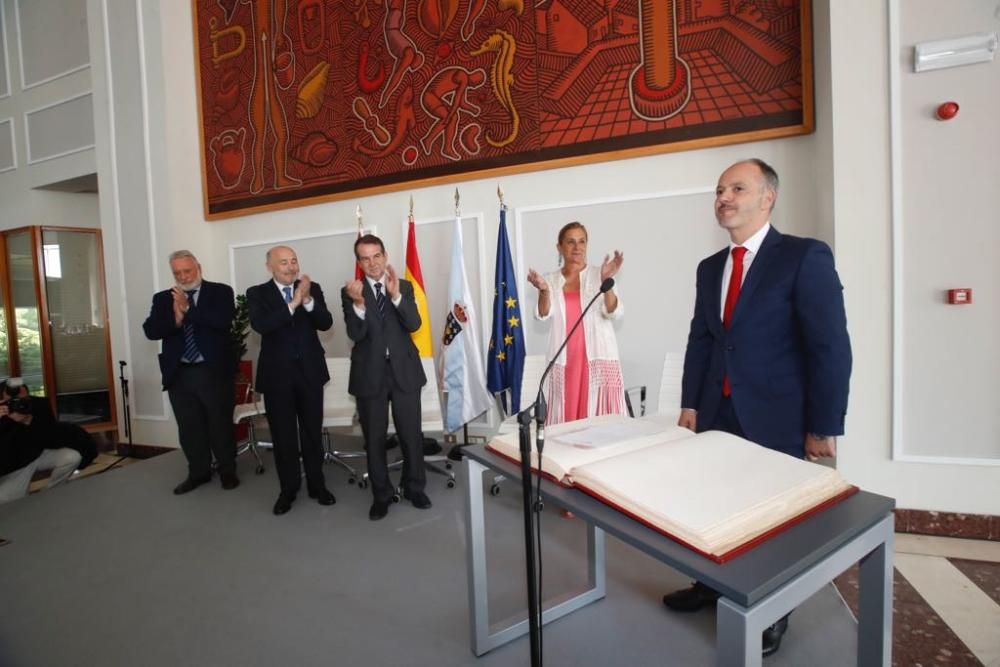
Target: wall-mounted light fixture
[966,50]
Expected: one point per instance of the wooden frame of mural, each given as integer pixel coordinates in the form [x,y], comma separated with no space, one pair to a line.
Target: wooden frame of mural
[309,100]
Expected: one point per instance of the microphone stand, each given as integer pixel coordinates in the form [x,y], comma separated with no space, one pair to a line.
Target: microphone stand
[126,410]
[534,604]
[127,416]
[530,507]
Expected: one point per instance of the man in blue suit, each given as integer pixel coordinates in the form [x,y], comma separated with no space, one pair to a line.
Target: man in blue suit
[198,366]
[768,354]
[287,311]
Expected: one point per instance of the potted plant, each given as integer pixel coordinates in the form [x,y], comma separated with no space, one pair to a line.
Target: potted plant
[238,332]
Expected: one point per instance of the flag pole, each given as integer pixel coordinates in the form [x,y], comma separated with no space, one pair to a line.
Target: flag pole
[457,450]
[456,453]
[358,273]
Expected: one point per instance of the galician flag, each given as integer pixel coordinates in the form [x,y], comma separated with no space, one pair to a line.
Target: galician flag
[422,336]
[463,376]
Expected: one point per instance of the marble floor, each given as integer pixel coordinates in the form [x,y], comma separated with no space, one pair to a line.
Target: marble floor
[946,606]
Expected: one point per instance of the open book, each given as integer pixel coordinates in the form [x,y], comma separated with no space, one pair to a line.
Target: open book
[717,493]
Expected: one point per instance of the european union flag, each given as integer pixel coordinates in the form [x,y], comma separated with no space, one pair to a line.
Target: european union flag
[505,357]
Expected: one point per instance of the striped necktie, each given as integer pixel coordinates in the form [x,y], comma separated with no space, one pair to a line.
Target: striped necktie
[191,352]
[288,293]
[380,299]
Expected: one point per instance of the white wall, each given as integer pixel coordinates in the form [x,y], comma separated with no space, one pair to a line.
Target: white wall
[836,185]
[178,220]
[47,92]
[949,237]
[860,62]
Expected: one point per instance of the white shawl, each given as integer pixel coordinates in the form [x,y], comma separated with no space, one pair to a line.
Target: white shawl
[606,394]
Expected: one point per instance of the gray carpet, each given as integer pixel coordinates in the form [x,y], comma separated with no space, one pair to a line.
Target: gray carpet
[114,570]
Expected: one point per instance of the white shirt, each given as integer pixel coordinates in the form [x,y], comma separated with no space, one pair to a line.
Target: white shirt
[281,290]
[752,245]
[360,310]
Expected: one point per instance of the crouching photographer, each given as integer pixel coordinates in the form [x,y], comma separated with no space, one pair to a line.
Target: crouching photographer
[31,440]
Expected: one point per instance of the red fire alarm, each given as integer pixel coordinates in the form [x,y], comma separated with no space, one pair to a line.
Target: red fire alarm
[946,111]
[960,295]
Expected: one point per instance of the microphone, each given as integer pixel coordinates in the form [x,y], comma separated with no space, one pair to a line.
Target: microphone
[541,409]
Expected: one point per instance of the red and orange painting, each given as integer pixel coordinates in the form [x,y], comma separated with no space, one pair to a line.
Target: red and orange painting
[306,100]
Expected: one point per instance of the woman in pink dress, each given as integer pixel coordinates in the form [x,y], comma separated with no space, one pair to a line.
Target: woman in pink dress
[586,379]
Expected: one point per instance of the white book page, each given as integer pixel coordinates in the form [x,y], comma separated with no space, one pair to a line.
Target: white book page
[559,457]
[606,435]
[713,490]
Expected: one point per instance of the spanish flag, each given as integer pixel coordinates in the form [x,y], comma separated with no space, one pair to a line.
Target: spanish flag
[422,336]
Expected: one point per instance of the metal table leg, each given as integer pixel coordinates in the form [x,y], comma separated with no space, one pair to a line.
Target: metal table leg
[484,637]
[738,629]
[875,605]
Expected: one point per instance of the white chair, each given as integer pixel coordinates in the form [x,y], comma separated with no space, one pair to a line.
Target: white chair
[668,403]
[340,412]
[534,366]
[431,421]
[247,412]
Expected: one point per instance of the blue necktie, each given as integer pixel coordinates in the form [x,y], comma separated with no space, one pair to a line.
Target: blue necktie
[288,294]
[380,299]
[191,351]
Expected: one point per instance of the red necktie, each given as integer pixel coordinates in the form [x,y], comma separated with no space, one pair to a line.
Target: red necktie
[732,295]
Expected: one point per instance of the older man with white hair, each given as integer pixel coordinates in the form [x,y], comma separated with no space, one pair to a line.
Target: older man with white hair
[198,364]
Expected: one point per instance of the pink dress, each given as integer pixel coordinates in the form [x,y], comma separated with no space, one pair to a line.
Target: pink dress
[577,379]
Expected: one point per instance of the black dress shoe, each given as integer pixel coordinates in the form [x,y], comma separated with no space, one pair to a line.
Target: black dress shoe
[229,480]
[378,511]
[324,497]
[283,504]
[771,639]
[419,499]
[691,599]
[191,483]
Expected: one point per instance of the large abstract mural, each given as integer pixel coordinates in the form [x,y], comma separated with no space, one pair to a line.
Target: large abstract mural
[314,99]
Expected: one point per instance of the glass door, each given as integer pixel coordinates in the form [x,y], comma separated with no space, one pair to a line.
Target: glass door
[77,320]
[4,346]
[54,321]
[30,361]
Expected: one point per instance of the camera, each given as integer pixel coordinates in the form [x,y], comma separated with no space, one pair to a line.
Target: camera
[20,405]
[16,403]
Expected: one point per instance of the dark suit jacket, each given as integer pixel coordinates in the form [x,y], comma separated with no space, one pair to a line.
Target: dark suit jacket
[373,335]
[787,351]
[285,338]
[211,317]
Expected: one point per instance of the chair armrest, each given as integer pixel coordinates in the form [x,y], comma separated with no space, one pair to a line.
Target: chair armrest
[642,400]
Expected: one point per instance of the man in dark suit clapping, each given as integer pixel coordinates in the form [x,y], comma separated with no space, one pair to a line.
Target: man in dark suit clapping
[198,366]
[380,312]
[287,311]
